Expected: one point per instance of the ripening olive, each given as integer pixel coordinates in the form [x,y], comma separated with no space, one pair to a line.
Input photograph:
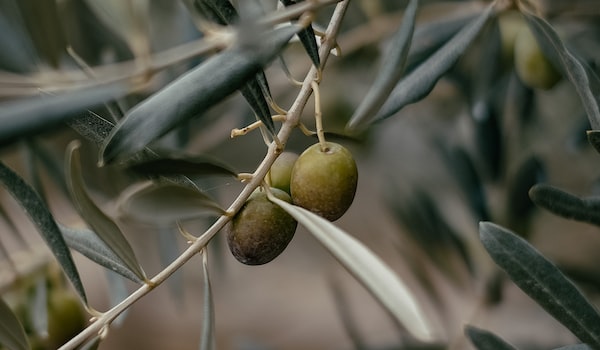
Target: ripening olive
[324,180]
[65,317]
[261,230]
[281,171]
[532,67]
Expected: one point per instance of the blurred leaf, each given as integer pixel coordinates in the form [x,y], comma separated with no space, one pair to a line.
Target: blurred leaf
[165,203]
[18,54]
[367,268]
[575,347]
[117,292]
[168,251]
[391,69]
[594,139]
[584,80]
[40,215]
[542,281]
[12,334]
[343,308]
[418,83]
[27,117]
[485,340]
[219,11]
[188,165]
[194,91]
[207,340]
[307,38]
[91,246]
[519,206]
[102,225]
[38,307]
[565,204]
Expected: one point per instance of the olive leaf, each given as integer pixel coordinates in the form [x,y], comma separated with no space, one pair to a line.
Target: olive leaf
[575,347]
[307,38]
[40,215]
[391,69]
[418,83]
[566,204]
[256,90]
[30,116]
[38,306]
[486,340]
[367,268]
[117,292]
[542,281]
[188,165]
[12,334]
[519,206]
[18,54]
[91,246]
[100,223]
[195,91]
[585,81]
[207,338]
[593,137]
[165,203]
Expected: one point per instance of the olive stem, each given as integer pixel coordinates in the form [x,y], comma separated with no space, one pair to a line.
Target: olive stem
[196,247]
[319,117]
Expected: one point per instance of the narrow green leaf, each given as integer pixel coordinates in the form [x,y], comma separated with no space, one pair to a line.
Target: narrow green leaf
[39,114]
[188,165]
[542,281]
[38,307]
[253,93]
[307,38]
[195,91]
[367,268]
[519,206]
[102,225]
[207,340]
[165,203]
[421,81]
[391,69]
[40,215]
[486,340]
[565,204]
[91,246]
[12,334]
[584,80]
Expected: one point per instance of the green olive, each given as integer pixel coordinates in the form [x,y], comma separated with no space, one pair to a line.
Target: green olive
[281,171]
[261,230]
[324,180]
[65,317]
[533,68]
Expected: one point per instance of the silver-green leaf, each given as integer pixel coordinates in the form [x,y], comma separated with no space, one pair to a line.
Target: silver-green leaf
[486,340]
[40,215]
[100,223]
[542,281]
[12,334]
[367,268]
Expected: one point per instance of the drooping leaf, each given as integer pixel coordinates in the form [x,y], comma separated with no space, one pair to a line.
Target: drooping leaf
[193,92]
[253,93]
[566,204]
[418,83]
[519,206]
[12,334]
[486,340]
[585,81]
[391,69]
[307,38]
[100,223]
[30,116]
[542,281]
[188,165]
[367,268]
[207,340]
[40,215]
[91,246]
[165,203]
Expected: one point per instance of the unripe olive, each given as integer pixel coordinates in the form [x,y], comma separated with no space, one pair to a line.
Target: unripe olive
[261,230]
[324,180]
[281,171]
[532,67]
[65,317]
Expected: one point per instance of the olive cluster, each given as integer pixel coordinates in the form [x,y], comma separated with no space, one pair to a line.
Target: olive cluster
[322,179]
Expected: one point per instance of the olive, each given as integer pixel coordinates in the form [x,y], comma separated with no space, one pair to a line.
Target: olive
[281,171]
[66,317]
[261,230]
[533,68]
[324,180]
